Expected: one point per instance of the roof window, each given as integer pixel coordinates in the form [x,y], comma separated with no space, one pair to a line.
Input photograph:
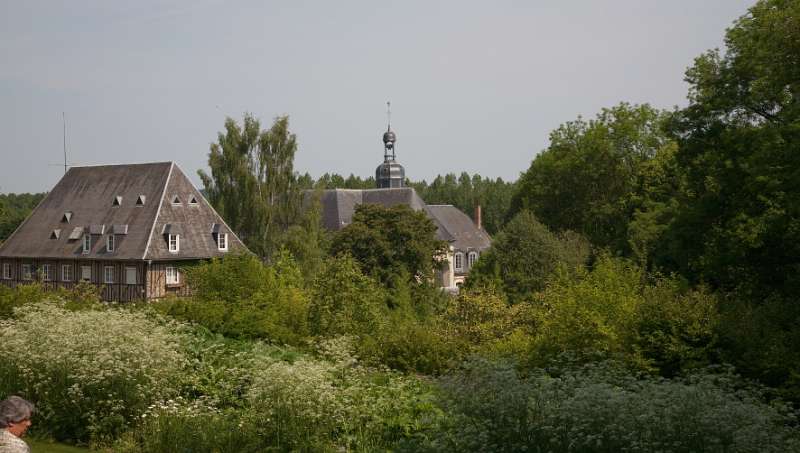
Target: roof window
[117,201]
[66,217]
[140,200]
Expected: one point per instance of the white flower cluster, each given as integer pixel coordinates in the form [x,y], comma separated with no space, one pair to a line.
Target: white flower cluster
[92,366]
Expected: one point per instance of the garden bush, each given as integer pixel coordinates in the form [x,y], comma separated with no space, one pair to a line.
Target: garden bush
[91,372]
[603,407]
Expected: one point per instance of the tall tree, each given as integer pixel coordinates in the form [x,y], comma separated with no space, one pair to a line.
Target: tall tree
[587,180]
[739,222]
[252,182]
[391,242]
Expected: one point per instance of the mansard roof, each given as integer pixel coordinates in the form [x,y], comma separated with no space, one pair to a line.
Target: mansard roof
[125,200]
[452,225]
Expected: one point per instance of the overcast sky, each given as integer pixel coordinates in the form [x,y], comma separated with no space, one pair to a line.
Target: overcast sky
[475,86]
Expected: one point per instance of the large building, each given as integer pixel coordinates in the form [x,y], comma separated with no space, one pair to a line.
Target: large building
[466,239]
[126,229]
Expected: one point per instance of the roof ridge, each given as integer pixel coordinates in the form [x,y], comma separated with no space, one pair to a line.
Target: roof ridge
[121,165]
[158,211]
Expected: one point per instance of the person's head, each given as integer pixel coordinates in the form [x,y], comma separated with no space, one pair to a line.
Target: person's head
[15,415]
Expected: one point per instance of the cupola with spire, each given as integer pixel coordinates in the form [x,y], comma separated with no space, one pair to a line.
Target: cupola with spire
[389,174]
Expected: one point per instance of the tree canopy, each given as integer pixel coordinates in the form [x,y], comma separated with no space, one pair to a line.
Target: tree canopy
[252,182]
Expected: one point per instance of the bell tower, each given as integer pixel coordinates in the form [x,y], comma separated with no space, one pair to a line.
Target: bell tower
[389,174]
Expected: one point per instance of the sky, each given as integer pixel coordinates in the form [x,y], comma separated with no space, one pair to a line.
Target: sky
[475,86]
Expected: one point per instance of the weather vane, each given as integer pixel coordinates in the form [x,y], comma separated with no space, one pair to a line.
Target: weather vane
[389,113]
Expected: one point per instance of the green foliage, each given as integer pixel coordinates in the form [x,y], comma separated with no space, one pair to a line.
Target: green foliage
[465,192]
[658,325]
[587,180]
[524,255]
[240,297]
[14,208]
[391,241]
[345,301]
[252,183]
[739,221]
[602,408]
[86,370]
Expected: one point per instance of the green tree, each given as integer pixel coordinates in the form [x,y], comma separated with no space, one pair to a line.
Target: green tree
[739,220]
[14,209]
[524,255]
[252,182]
[587,180]
[391,242]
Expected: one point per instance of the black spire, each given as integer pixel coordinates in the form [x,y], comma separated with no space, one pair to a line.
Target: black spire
[389,174]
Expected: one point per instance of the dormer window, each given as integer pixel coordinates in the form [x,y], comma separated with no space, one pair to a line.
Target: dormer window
[174,241]
[87,243]
[55,234]
[110,243]
[176,200]
[222,242]
[117,201]
[140,200]
[193,201]
[66,217]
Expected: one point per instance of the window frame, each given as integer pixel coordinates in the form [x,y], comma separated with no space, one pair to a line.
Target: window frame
[27,271]
[63,274]
[110,243]
[222,238]
[471,258]
[47,272]
[177,238]
[458,261]
[6,271]
[106,280]
[87,244]
[135,275]
[175,271]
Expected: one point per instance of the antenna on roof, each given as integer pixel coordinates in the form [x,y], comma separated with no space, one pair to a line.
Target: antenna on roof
[64,121]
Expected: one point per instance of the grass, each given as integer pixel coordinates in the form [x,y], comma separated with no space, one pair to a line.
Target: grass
[44,446]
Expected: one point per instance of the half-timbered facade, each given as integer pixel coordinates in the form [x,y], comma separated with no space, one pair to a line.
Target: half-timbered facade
[130,230]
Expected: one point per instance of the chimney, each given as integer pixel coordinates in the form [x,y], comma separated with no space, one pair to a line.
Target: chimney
[477,218]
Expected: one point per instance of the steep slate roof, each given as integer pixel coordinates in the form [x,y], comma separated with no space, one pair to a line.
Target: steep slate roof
[466,235]
[89,194]
[452,225]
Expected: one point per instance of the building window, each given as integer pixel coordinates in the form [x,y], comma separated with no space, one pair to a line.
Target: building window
[130,275]
[86,273]
[174,243]
[471,258]
[26,271]
[459,261]
[108,274]
[172,275]
[66,272]
[110,243]
[222,241]
[87,243]
[7,271]
[47,272]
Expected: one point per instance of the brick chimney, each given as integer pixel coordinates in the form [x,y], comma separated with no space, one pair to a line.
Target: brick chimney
[477,218]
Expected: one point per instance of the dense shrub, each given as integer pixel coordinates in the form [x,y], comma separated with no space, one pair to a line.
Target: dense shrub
[91,373]
[524,255]
[327,403]
[241,298]
[604,408]
[611,309]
